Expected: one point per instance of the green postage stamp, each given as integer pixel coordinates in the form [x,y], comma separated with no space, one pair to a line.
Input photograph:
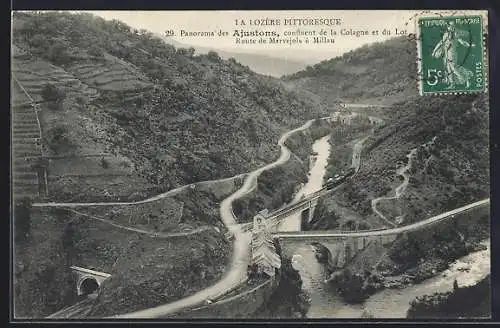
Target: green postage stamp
[452,54]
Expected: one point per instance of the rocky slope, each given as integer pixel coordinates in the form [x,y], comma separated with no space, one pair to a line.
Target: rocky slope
[158,272]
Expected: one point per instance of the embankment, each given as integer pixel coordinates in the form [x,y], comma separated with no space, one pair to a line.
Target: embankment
[237,306]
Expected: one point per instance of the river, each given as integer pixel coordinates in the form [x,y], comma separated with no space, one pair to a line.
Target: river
[322,148]
[388,303]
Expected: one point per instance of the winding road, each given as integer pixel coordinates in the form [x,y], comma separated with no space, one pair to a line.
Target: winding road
[241,251]
[277,216]
[398,192]
[236,274]
[403,171]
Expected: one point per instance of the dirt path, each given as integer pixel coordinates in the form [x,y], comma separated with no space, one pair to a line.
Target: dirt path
[169,193]
[402,171]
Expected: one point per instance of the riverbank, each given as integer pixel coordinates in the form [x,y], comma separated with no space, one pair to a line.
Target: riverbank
[413,257]
[277,186]
[289,300]
[394,303]
[390,302]
[331,214]
[320,151]
[237,272]
[463,302]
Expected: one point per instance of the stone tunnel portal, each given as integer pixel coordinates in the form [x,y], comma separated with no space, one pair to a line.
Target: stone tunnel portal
[88,286]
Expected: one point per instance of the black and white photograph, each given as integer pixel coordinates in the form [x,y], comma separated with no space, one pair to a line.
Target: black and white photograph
[288,165]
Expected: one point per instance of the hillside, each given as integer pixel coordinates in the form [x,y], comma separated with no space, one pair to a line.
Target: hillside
[124,116]
[262,64]
[111,239]
[439,144]
[377,73]
[160,116]
[431,155]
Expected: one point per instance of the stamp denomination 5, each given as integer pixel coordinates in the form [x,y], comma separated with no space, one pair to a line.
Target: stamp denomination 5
[452,55]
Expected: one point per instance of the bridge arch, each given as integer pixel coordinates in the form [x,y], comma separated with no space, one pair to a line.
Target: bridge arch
[87,285]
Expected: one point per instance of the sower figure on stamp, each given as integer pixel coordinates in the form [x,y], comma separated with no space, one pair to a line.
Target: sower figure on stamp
[447,49]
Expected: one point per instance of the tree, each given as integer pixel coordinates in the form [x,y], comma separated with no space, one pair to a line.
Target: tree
[59,138]
[96,52]
[214,56]
[188,52]
[104,163]
[57,52]
[38,41]
[351,286]
[53,94]
[120,26]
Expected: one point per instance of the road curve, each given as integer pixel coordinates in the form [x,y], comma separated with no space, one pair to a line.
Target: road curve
[278,215]
[398,191]
[385,232]
[241,252]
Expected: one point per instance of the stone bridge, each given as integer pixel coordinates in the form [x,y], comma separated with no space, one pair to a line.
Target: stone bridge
[342,249]
[345,245]
[88,281]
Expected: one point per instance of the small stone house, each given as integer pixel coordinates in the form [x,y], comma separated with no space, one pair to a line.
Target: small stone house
[263,251]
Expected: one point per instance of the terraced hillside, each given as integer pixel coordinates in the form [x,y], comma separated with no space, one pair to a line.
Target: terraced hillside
[134,111]
[33,75]
[27,180]
[78,163]
[111,74]
[124,116]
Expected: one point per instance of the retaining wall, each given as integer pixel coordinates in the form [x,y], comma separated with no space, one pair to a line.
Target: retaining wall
[238,306]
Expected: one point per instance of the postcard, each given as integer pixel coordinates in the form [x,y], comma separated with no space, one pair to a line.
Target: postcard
[250,164]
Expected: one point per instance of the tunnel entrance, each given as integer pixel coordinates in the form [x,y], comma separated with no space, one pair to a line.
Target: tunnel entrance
[89,285]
